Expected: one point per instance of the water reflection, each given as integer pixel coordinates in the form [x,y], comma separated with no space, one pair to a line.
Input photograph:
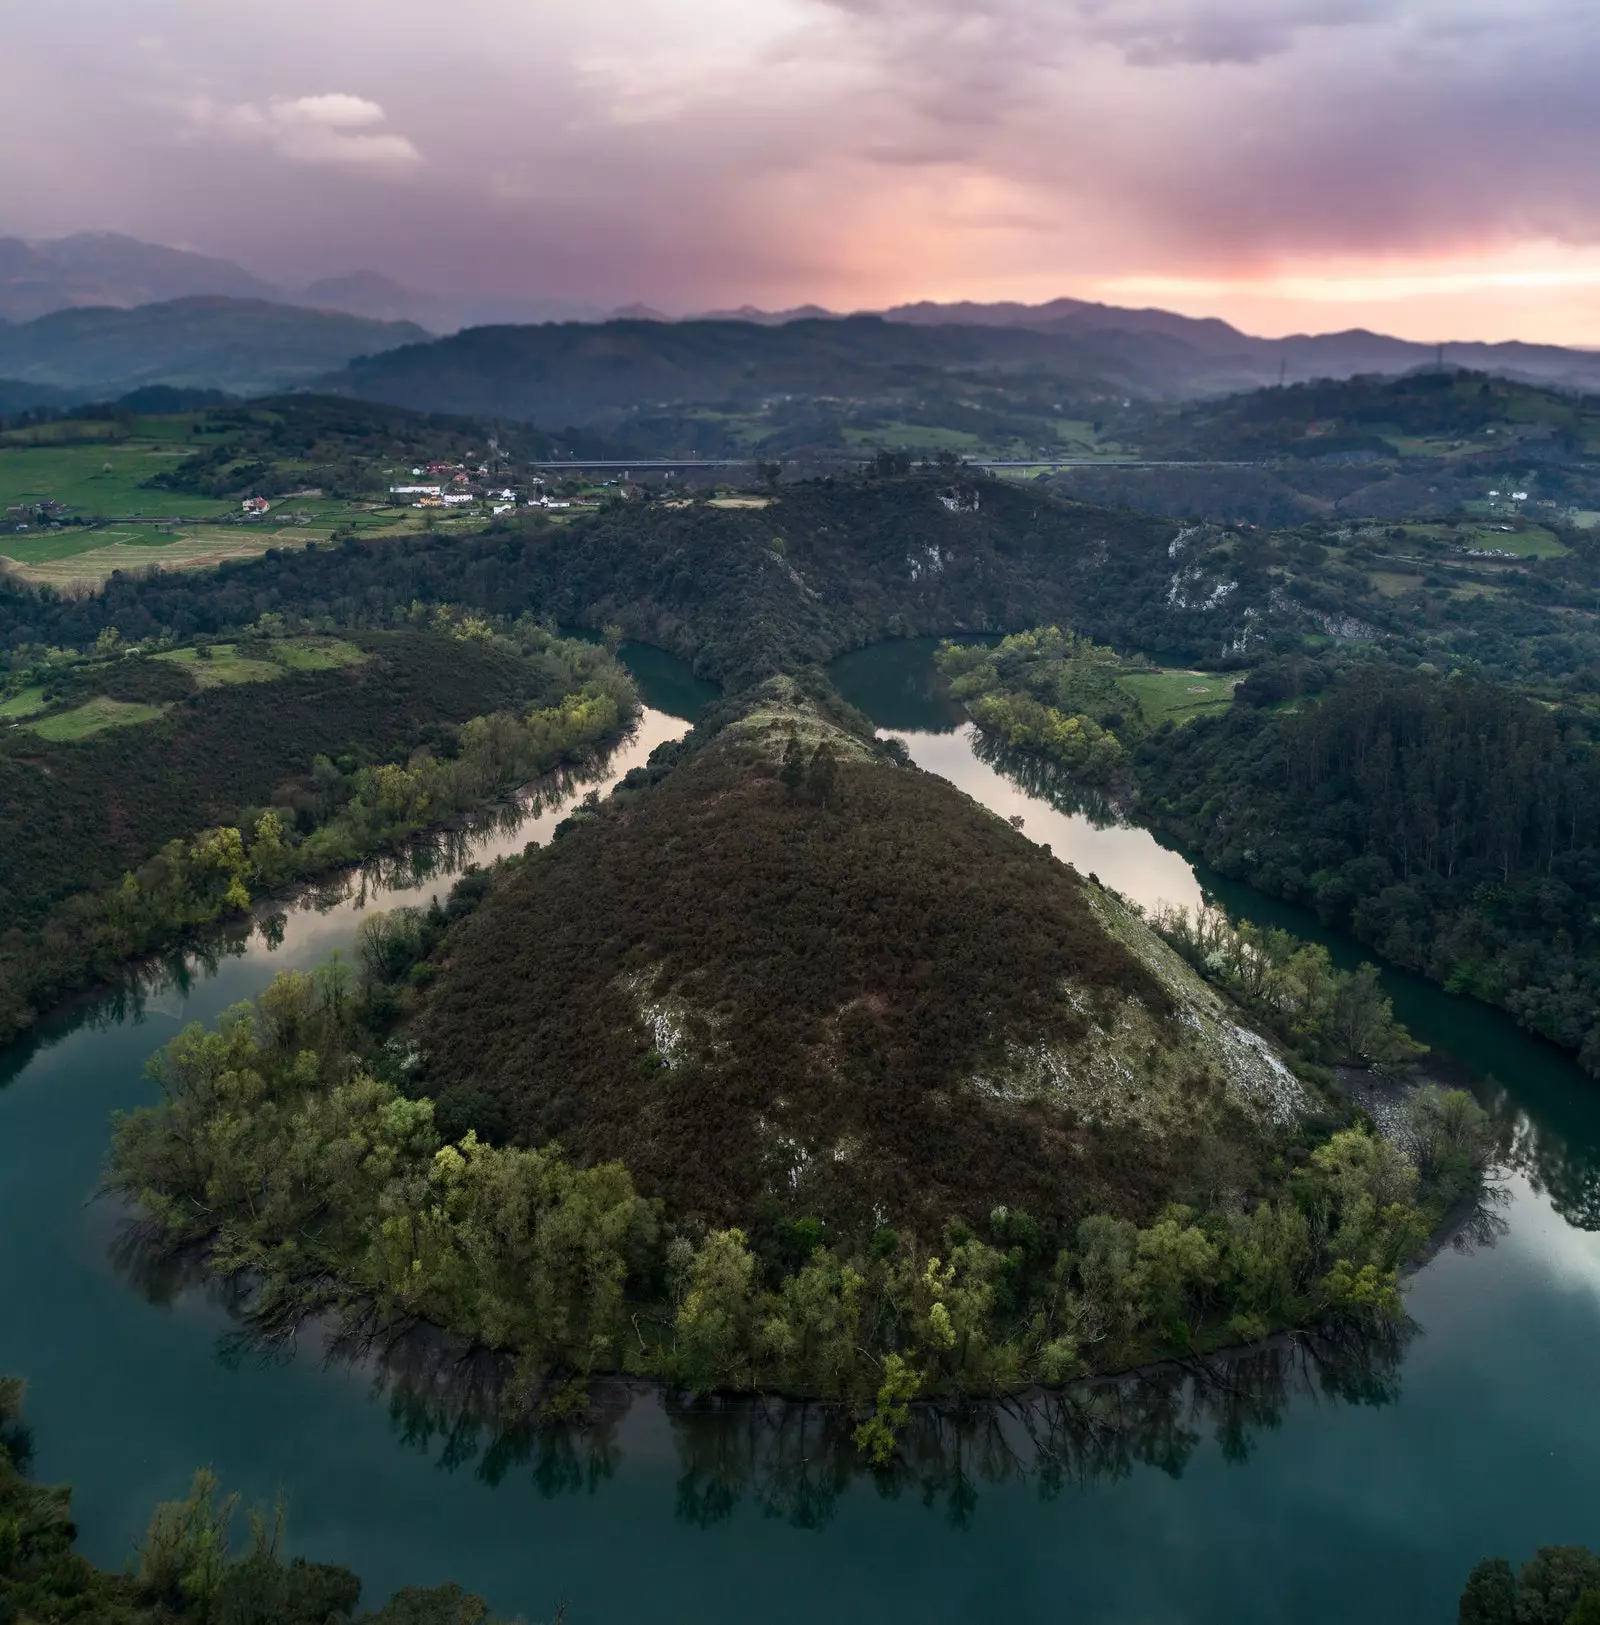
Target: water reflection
[796,1460]
[1037,776]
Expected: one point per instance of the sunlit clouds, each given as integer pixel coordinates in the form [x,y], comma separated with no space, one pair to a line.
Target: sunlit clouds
[1286,163]
[331,128]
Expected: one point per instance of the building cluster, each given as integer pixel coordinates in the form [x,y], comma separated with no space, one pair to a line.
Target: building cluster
[458,485]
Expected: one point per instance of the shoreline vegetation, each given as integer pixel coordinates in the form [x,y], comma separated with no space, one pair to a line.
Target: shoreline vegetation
[192,1568]
[310,1146]
[332,811]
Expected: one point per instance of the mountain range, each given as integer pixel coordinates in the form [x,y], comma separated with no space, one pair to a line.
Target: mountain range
[106,268]
[99,314]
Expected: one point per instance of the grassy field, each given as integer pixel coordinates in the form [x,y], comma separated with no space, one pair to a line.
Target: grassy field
[1535,542]
[1178,695]
[316,654]
[92,718]
[1393,583]
[23,704]
[224,664]
[88,558]
[99,479]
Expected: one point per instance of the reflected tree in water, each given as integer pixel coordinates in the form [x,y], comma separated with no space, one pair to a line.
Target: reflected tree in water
[1048,781]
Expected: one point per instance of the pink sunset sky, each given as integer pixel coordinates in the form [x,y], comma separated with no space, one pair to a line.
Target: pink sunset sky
[1424,167]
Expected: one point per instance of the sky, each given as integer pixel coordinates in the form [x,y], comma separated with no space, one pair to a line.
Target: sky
[1422,167]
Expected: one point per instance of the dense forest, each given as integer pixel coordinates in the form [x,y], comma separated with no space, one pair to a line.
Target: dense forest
[1448,822]
[117,842]
[742,592]
[1373,416]
[609,1109]
[195,1566]
[597,374]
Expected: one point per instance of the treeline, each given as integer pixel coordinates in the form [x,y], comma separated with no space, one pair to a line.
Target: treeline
[1327,418]
[288,1142]
[192,1567]
[1558,1585]
[332,813]
[1448,822]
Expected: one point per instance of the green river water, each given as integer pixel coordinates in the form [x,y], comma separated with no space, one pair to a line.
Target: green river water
[1302,1491]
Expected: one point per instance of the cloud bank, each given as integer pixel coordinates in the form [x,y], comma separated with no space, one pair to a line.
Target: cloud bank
[1288,163]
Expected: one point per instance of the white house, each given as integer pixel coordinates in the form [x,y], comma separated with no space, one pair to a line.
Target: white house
[415,490]
[458,499]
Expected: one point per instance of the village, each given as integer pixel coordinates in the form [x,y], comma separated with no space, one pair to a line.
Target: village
[456,485]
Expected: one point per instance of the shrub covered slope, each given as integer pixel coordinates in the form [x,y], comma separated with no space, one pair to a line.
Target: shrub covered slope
[799,974]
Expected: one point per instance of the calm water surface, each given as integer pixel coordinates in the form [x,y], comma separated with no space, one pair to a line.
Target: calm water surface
[1290,1503]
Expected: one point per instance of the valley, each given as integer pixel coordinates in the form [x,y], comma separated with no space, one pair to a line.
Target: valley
[844,1054]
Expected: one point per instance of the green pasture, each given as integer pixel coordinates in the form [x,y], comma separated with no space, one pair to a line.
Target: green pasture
[1172,695]
[223,665]
[98,480]
[93,717]
[23,704]
[226,663]
[316,654]
[65,431]
[89,558]
[1533,542]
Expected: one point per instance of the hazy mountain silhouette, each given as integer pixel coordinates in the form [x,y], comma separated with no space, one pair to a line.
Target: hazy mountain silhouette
[248,346]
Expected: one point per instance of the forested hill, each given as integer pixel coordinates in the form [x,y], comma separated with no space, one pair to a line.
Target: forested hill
[245,345]
[1435,412]
[575,372]
[743,591]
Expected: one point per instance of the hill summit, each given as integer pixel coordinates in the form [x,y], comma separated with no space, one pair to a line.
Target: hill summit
[799,976]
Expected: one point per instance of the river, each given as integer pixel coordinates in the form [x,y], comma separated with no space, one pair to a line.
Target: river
[1318,1496]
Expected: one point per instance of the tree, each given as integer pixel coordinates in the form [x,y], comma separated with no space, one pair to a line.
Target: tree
[1363,1022]
[792,774]
[1553,1581]
[1490,1595]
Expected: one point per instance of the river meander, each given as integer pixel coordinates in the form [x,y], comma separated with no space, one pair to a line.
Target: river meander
[1310,1495]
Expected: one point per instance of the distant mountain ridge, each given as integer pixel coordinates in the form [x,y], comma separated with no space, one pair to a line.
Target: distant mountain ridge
[1205,355]
[39,277]
[246,346]
[106,268]
[1299,356]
